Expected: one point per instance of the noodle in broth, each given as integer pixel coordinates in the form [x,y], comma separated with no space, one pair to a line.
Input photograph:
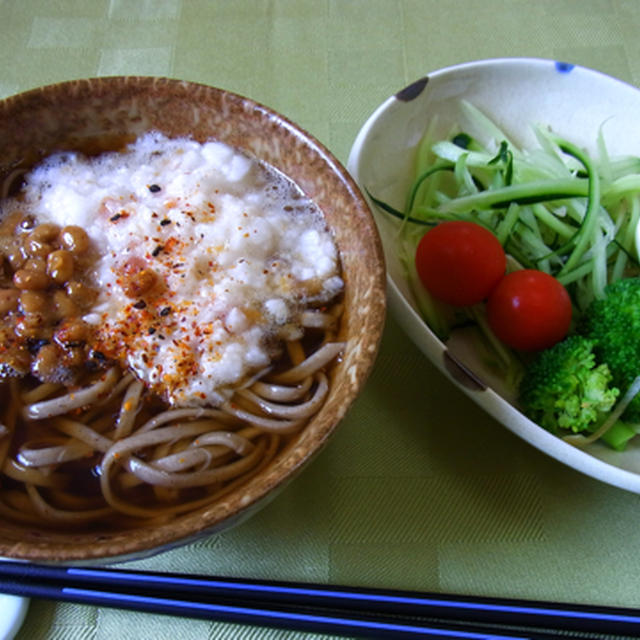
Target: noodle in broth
[94,434]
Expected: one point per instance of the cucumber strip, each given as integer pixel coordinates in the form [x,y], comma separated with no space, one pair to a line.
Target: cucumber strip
[585,233]
[624,166]
[580,440]
[604,164]
[552,157]
[584,268]
[420,180]
[542,191]
[599,271]
[463,176]
[394,212]
[627,240]
[427,305]
[424,156]
[485,127]
[552,221]
[502,351]
[451,152]
[537,249]
[618,435]
[621,187]
[506,225]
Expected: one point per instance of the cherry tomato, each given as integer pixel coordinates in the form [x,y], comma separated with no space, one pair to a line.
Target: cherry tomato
[529,310]
[460,262]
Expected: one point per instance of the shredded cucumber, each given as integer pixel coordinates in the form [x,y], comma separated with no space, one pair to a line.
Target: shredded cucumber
[553,207]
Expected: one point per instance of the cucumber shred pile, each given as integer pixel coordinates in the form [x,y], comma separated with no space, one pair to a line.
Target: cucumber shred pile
[554,208]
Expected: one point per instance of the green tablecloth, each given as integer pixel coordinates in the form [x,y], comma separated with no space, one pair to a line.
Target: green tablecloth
[419,489]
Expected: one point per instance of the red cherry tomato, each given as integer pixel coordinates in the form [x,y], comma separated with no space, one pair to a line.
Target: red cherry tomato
[529,310]
[460,262]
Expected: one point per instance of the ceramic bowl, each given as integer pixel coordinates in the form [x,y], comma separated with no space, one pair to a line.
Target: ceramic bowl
[515,93]
[73,114]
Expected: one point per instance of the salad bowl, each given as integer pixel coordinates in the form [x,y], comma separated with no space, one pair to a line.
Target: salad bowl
[579,104]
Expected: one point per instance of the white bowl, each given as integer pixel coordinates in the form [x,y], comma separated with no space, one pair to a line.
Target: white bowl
[13,610]
[515,93]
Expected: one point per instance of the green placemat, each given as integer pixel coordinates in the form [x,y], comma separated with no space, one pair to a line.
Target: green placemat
[419,489]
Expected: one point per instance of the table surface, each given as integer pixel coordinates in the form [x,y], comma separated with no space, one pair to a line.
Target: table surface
[419,489]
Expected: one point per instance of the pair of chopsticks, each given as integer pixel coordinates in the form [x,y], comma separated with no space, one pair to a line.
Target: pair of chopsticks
[350,611]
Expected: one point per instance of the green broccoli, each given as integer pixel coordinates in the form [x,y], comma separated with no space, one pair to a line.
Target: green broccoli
[564,388]
[613,325]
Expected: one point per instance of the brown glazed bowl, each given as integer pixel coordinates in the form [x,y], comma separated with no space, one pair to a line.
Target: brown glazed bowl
[71,114]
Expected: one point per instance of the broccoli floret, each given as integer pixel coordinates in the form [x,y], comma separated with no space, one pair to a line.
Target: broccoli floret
[563,388]
[613,324]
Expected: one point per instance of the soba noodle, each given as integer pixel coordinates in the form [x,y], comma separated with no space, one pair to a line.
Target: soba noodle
[113,448]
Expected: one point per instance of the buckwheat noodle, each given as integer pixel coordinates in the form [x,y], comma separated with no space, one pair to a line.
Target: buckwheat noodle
[110,454]
[104,454]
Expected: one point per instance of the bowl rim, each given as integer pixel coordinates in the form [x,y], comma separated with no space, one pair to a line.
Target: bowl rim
[435,350]
[413,88]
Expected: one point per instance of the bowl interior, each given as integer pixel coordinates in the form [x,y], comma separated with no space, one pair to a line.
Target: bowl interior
[516,94]
[104,112]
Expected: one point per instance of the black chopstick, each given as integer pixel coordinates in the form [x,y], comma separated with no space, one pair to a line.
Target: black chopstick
[352,624]
[364,612]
